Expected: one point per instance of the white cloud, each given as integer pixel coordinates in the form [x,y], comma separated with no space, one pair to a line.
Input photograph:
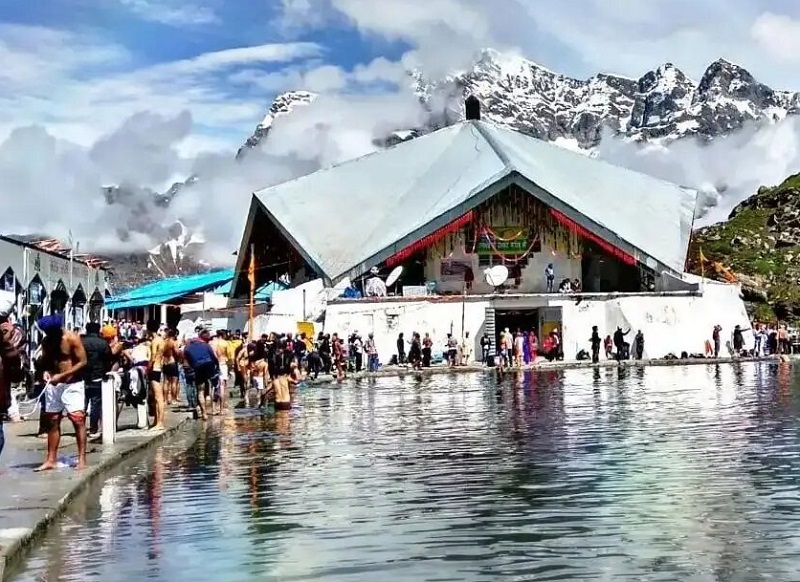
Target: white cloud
[82,88]
[84,91]
[139,127]
[779,35]
[171,12]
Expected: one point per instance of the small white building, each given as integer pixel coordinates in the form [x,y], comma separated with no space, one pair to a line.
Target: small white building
[450,204]
[48,282]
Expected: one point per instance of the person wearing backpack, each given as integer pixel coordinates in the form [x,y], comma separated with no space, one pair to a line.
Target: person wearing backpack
[12,341]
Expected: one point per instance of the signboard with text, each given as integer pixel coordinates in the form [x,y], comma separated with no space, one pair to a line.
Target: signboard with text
[504,240]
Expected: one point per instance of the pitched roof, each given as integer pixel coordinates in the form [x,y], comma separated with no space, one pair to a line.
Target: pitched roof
[349,217]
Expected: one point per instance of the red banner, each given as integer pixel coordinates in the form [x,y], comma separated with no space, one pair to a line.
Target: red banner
[429,240]
[583,233]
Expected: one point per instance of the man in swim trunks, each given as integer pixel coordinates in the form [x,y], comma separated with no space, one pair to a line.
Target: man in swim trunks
[156,375]
[170,368]
[63,360]
[220,346]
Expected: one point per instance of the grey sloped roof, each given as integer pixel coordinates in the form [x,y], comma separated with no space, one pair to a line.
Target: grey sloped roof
[351,216]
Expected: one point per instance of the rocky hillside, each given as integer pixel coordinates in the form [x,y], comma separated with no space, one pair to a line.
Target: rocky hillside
[760,246]
[662,105]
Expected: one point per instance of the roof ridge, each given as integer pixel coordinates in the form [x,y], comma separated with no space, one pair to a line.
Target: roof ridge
[499,152]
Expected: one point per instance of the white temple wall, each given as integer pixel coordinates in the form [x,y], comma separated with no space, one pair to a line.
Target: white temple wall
[386,320]
[671,324]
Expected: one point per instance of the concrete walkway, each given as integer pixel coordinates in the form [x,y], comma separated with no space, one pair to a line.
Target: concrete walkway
[389,371]
[30,502]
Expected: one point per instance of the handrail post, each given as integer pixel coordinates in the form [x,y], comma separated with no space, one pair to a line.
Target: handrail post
[108,397]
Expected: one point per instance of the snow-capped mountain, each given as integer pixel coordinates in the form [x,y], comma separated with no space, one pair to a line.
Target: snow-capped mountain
[282,105]
[662,105]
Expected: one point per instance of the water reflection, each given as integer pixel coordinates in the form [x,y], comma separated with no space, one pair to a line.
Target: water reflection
[641,474]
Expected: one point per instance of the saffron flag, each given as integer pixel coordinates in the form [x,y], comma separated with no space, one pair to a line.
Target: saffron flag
[251,270]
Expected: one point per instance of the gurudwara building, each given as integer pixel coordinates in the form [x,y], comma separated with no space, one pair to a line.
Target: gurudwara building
[451,204]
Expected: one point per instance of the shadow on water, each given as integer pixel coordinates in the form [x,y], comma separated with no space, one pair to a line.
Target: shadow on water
[637,473]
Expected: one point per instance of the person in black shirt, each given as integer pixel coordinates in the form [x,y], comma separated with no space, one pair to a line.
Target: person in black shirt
[595,341]
[401,349]
[98,363]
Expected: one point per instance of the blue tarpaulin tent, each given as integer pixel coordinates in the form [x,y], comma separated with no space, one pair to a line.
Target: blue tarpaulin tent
[170,289]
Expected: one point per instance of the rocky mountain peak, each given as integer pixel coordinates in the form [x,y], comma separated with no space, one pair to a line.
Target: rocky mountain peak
[726,80]
[663,104]
[282,105]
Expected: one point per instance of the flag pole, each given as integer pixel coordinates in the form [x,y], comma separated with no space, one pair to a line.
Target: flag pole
[251,275]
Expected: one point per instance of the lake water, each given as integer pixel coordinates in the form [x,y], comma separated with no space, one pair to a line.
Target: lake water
[673,473]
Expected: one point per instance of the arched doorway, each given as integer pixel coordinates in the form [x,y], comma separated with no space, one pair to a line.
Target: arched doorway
[96,303]
[9,282]
[78,307]
[35,300]
[59,298]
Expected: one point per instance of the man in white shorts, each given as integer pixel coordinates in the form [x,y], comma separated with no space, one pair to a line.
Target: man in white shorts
[63,360]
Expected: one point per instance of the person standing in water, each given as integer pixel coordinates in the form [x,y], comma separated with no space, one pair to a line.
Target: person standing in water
[258,372]
[63,360]
[220,346]
[170,367]
[282,367]
[156,375]
[199,356]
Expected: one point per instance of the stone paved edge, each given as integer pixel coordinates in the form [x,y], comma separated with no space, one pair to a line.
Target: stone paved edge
[17,550]
[544,366]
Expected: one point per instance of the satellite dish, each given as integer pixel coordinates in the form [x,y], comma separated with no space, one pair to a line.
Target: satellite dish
[394,276]
[496,276]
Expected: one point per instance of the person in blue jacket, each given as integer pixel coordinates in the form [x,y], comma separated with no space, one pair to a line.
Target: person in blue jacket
[202,360]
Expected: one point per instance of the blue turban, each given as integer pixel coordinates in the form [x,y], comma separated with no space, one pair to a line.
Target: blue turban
[50,323]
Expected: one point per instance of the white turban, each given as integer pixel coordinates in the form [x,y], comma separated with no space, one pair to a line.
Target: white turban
[8,301]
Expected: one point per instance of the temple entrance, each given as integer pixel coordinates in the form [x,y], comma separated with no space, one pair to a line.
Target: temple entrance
[78,308]
[524,320]
[541,320]
[59,298]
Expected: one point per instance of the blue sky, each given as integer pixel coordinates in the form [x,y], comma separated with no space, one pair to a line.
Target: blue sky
[81,67]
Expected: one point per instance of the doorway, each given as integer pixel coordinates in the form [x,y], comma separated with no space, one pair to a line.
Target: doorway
[59,298]
[516,320]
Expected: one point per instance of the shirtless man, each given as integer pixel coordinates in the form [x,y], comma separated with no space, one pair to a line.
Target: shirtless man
[63,360]
[243,365]
[170,368]
[155,375]
[220,346]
